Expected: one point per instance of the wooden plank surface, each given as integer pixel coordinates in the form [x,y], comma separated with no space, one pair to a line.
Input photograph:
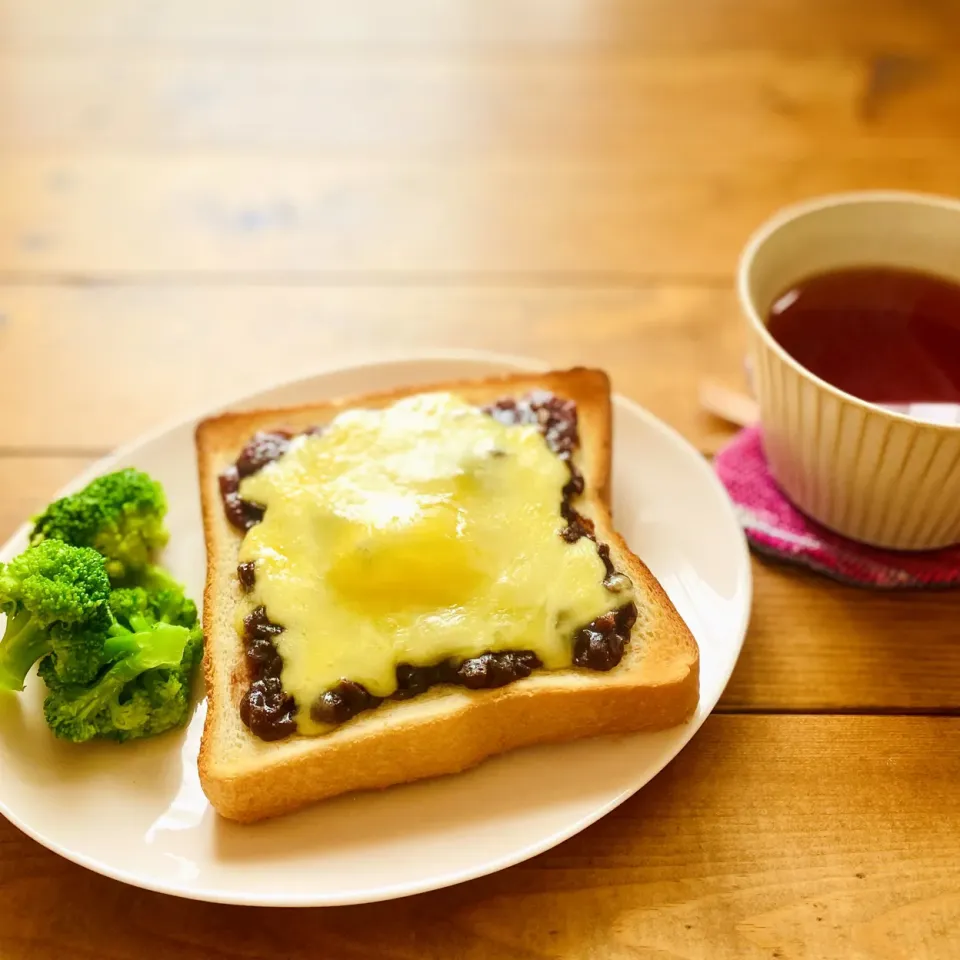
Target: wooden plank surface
[249,26]
[596,106]
[28,483]
[202,197]
[568,221]
[785,837]
[814,645]
[153,354]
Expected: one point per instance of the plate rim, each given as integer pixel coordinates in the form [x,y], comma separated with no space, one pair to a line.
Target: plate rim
[438,881]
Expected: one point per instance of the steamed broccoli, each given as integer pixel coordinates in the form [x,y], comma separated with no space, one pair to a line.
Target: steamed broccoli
[145,692]
[152,577]
[116,637]
[77,650]
[168,604]
[153,643]
[50,593]
[120,515]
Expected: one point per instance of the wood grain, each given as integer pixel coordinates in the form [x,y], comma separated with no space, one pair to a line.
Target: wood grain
[27,484]
[661,26]
[786,837]
[464,107]
[128,358]
[202,214]
[817,645]
[203,197]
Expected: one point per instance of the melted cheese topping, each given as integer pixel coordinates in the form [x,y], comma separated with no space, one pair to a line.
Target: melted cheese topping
[413,534]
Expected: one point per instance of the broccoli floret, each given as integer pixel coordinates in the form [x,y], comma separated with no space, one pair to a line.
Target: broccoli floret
[147,690]
[168,591]
[159,699]
[77,650]
[153,578]
[157,702]
[173,606]
[120,515]
[118,663]
[127,602]
[49,592]
[79,653]
[167,605]
[192,653]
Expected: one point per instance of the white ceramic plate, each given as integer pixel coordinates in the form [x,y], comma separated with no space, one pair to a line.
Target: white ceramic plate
[136,812]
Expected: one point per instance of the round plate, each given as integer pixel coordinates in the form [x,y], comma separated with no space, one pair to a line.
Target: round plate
[136,812]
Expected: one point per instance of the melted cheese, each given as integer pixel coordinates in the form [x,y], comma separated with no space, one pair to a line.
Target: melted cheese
[414,534]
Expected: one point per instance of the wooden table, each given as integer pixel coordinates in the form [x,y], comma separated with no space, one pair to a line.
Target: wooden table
[200,197]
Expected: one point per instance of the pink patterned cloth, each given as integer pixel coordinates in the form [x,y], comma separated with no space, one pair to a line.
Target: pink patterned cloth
[774,526]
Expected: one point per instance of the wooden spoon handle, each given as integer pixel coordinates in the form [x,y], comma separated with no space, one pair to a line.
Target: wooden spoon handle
[729,405]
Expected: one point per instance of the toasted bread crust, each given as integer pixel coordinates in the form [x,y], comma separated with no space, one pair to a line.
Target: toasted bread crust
[443,731]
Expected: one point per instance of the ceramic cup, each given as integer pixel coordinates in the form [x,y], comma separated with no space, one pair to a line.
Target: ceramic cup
[870,474]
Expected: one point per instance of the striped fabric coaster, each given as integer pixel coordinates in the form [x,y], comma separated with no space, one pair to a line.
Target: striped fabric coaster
[775,527]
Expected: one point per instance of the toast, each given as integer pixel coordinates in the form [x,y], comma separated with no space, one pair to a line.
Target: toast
[449,728]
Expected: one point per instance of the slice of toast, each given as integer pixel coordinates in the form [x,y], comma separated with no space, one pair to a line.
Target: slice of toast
[447,729]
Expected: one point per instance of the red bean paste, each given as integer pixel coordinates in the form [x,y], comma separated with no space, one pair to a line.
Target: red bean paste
[270,712]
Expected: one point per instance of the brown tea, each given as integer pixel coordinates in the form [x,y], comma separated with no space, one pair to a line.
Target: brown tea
[883,334]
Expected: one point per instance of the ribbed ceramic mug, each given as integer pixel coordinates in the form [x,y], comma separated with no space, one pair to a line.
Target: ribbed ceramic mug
[865,472]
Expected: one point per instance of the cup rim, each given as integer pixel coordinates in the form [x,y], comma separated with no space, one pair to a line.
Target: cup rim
[786,215]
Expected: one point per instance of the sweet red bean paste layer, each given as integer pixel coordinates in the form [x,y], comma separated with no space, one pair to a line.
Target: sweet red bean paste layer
[270,712]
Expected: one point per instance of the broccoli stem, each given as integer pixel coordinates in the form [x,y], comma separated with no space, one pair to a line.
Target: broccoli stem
[139,623]
[160,645]
[23,644]
[89,700]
